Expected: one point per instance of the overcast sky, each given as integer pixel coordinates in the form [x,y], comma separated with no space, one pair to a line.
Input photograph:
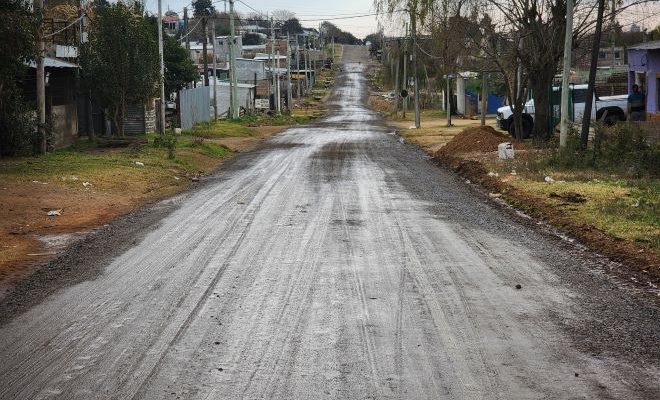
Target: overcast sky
[312,12]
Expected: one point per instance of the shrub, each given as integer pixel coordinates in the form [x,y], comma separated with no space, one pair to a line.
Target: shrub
[624,149]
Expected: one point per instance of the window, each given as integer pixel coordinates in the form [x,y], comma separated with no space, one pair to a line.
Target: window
[617,55]
[601,55]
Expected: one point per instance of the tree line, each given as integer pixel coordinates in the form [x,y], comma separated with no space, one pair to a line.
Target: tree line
[521,41]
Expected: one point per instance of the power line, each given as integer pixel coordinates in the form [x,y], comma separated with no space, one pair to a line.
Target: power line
[65,28]
[191,30]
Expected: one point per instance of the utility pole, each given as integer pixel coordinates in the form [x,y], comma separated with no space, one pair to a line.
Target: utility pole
[215,72]
[235,114]
[289,97]
[185,32]
[484,96]
[307,77]
[299,88]
[272,65]
[204,50]
[278,105]
[185,29]
[41,77]
[613,33]
[405,71]
[162,67]
[414,66]
[396,88]
[87,97]
[333,49]
[568,42]
[448,100]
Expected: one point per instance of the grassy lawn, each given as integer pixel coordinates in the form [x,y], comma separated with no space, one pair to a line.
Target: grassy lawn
[627,209]
[91,185]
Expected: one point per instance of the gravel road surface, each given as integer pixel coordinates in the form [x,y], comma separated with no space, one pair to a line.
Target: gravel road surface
[334,262]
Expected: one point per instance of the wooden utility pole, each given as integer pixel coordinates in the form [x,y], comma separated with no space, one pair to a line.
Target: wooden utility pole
[278,101]
[187,37]
[568,42]
[299,87]
[595,49]
[289,98]
[235,112]
[41,77]
[396,87]
[448,99]
[414,67]
[204,50]
[405,72]
[484,97]
[307,77]
[613,33]
[162,68]
[215,72]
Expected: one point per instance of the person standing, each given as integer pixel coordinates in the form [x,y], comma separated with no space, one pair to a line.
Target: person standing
[636,105]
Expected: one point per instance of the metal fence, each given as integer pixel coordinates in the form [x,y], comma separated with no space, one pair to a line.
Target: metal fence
[194,105]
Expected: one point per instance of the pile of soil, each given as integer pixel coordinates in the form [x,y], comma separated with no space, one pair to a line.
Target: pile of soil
[481,139]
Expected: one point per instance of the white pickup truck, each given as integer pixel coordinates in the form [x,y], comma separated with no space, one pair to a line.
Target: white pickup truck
[616,107]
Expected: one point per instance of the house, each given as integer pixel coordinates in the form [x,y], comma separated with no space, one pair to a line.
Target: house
[172,24]
[61,99]
[222,47]
[644,70]
[611,57]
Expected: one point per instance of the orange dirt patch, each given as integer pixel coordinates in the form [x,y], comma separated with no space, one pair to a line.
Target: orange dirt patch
[24,220]
[29,237]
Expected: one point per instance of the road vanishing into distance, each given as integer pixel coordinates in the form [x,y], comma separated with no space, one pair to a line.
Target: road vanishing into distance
[334,262]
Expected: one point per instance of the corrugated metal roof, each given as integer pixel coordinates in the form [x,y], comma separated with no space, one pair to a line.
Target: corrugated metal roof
[54,63]
[654,45]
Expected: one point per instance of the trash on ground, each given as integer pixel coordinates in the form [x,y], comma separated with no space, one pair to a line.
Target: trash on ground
[86,184]
[493,174]
[549,179]
[505,150]
[141,164]
[53,213]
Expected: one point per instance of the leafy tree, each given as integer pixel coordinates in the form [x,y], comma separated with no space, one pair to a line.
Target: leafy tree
[17,47]
[331,30]
[292,26]
[120,61]
[250,39]
[204,9]
[376,41]
[179,68]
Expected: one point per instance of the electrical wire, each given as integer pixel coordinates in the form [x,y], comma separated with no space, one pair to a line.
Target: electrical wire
[191,30]
[65,28]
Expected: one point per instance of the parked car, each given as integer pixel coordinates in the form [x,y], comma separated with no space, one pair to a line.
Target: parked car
[615,106]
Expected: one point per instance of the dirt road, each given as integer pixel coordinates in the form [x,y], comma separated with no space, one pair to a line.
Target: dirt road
[335,262]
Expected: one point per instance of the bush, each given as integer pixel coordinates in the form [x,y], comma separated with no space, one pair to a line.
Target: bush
[19,134]
[623,149]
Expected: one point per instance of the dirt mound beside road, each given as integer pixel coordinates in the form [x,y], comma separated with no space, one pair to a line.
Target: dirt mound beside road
[478,139]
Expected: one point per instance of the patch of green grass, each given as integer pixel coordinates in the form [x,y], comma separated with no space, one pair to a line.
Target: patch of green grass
[628,209]
[434,113]
[220,129]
